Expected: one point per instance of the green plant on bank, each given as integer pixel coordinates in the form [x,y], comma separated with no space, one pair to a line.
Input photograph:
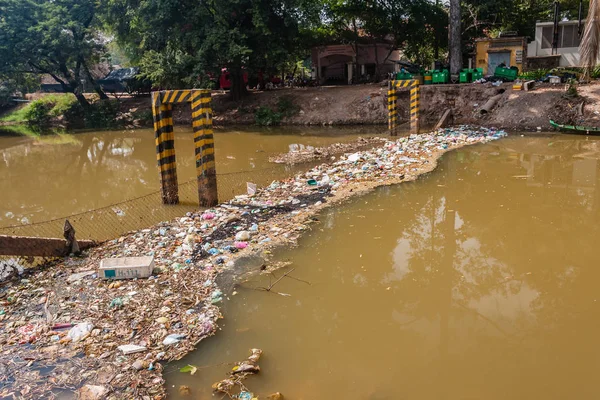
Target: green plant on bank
[54,104]
[38,113]
[41,113]
[571,88]
[100,114]
[534,75]
[15,114]
[264,116]
[286,108]
[595,73]
[144,116]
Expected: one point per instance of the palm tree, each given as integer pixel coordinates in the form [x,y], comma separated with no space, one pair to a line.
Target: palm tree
[589,49]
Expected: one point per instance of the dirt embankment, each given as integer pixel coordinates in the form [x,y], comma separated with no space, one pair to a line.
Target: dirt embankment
[367,105]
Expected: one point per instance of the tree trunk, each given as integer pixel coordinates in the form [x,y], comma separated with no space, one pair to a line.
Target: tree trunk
[72,87]
[454,38]
[238,87]
[97,87]
[436,43]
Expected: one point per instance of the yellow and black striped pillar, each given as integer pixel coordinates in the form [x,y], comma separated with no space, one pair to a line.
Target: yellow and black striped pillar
[392,112]
[415,94]
[204,145]
[165,148]
[393,87]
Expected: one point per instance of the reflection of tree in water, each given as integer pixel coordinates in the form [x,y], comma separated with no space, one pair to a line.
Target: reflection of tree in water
[87,170]
[492,238]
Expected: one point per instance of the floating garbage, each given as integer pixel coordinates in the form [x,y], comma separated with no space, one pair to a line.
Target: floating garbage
[189,252]
[251,188]
[172,339]
[80,331]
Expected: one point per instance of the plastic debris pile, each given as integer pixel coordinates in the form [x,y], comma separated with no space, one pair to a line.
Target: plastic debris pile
[300,154]
[64,327]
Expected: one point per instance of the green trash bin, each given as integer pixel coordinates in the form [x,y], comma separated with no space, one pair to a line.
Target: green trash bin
[465,76]
[441,76]
[428,78]
[506,74]
[402,76]
[477,74]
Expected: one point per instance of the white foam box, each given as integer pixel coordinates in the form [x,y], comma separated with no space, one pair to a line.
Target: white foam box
[126,267]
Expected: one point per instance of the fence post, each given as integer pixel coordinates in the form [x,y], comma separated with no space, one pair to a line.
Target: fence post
[204,146]
[392,96]
[415,93]
[165,148]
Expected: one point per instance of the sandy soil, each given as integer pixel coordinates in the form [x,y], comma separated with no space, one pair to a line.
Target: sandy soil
[367,104]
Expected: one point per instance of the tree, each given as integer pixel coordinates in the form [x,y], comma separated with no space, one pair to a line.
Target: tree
[455,38]
[410,25]
[187,40]
[590,43]
[57,37]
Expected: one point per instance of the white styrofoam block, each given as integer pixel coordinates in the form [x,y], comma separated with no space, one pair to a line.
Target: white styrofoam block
[126,267]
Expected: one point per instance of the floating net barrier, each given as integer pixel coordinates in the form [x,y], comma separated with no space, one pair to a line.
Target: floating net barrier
[117,219]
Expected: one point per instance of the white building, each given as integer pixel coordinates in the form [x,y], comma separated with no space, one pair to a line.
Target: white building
[568,44]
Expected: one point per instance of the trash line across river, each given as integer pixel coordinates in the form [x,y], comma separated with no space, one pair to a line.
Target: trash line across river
[64,329]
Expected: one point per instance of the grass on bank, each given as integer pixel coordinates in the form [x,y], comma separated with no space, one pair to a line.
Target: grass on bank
[55,104]
[64,110]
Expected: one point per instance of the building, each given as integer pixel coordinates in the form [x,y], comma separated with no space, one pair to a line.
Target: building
[490,53]
[346,63]
[540,54]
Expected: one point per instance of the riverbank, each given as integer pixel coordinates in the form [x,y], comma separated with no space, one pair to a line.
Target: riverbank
[367,105]
[62,327]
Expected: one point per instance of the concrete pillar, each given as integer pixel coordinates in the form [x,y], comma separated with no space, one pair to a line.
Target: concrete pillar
[415,93]
[165,148]
[203,143]
[204,147]
[392,112]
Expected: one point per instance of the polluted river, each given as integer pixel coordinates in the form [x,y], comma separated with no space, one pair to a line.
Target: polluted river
[474,281]
[112,175]
[477,281]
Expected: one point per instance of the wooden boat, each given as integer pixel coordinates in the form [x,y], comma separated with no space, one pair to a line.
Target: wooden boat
[575,129]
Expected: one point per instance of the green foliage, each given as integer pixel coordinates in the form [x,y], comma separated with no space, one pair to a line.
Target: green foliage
[41,111]
[38,113]
[57,37]
[178,42]
[286,107]
[595,73]
[535,74]
[144,116]
[101,114]
[572,88]
[490,17]
[47,110]
[264,116]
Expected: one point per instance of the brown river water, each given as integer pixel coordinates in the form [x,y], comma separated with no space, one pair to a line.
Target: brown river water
[477,281]
[50,177]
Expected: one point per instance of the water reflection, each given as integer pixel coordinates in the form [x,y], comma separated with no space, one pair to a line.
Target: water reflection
[51,176]
[477,281]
